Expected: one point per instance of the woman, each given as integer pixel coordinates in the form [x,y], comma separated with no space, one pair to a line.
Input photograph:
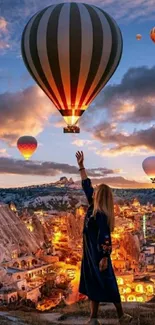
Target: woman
[98,280]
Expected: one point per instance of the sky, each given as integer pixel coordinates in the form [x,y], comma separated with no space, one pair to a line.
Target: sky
[117,130]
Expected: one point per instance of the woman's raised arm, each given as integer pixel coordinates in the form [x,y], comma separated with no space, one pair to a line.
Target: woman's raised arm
[80,161]
[86,182]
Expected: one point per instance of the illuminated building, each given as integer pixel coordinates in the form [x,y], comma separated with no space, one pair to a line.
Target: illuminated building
[13,207]
[144,225]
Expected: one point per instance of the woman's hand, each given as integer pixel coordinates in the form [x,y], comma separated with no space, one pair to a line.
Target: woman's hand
[80,158]
[103,264]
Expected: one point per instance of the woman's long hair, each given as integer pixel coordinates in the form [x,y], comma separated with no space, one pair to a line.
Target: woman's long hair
[103,202]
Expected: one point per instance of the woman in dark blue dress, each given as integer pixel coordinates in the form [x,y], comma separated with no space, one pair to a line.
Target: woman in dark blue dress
[97,279]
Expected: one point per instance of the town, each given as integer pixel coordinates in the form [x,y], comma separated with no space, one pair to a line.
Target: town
[50,274]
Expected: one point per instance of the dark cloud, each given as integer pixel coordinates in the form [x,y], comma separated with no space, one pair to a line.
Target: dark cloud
[22,167]
[136,82]
[133,99]
[130,102]
[142,139]
[144,113]
[121,107]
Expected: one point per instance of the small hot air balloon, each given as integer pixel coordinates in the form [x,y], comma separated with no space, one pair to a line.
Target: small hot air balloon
[152,34]
[27,146]
[71,50]
[138,37]
[149,167]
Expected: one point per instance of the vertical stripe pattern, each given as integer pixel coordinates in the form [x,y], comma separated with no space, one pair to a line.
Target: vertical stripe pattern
[71,50]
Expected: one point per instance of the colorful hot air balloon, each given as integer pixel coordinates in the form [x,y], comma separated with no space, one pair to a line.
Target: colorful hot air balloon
[149,167]
[138,37]
[27,146]
[152,34]
[71,50]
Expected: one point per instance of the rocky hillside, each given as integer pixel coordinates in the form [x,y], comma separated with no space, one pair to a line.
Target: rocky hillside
[13,232]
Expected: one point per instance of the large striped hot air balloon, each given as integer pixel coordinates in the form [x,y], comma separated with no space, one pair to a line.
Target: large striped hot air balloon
[71,50]
[27,146]
[149,167]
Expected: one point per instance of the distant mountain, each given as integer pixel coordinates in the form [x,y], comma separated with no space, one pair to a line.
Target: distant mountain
[64,181]
[65,194]
[119,182]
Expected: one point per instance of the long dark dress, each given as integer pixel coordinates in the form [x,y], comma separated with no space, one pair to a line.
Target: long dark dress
[98,286]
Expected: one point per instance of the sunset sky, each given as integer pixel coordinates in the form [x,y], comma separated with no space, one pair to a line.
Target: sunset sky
[118,129]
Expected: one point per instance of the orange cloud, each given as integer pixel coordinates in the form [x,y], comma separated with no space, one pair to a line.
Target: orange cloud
[24,112]
[3,25]
[4,34]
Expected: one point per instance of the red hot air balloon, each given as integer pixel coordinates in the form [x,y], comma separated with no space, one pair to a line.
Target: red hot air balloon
[152,34]
[71,50]
[149,167]
[27,146]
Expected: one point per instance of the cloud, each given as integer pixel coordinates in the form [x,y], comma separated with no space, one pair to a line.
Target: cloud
[24,112]
[131,100]
[3,25]
[18,14]
[122,10]
[82,142]
[22,167]
[4,34]
[128,105]
[137,142]
[4,45]
[3,153]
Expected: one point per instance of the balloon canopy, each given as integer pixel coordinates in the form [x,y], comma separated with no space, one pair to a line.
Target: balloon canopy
[149,167]
[152,34]
[27,146]
[71,50]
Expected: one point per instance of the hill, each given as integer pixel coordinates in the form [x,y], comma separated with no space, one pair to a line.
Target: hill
[64,194]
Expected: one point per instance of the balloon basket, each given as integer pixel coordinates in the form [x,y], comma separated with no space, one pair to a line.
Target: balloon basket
[71,129]
[153,180]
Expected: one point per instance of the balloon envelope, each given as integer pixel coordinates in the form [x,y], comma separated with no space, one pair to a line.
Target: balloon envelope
[138,37]
[71,50]
[152,34]
[27,146]
[149,167]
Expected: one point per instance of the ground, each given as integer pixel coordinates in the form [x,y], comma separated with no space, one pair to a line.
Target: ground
[77,314]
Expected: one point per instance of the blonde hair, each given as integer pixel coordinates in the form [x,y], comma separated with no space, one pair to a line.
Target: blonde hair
[103,202]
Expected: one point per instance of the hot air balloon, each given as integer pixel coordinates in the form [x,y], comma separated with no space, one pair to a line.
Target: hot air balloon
[71,50]
[27,146]
[149,168]
[138,37]
[152,34]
